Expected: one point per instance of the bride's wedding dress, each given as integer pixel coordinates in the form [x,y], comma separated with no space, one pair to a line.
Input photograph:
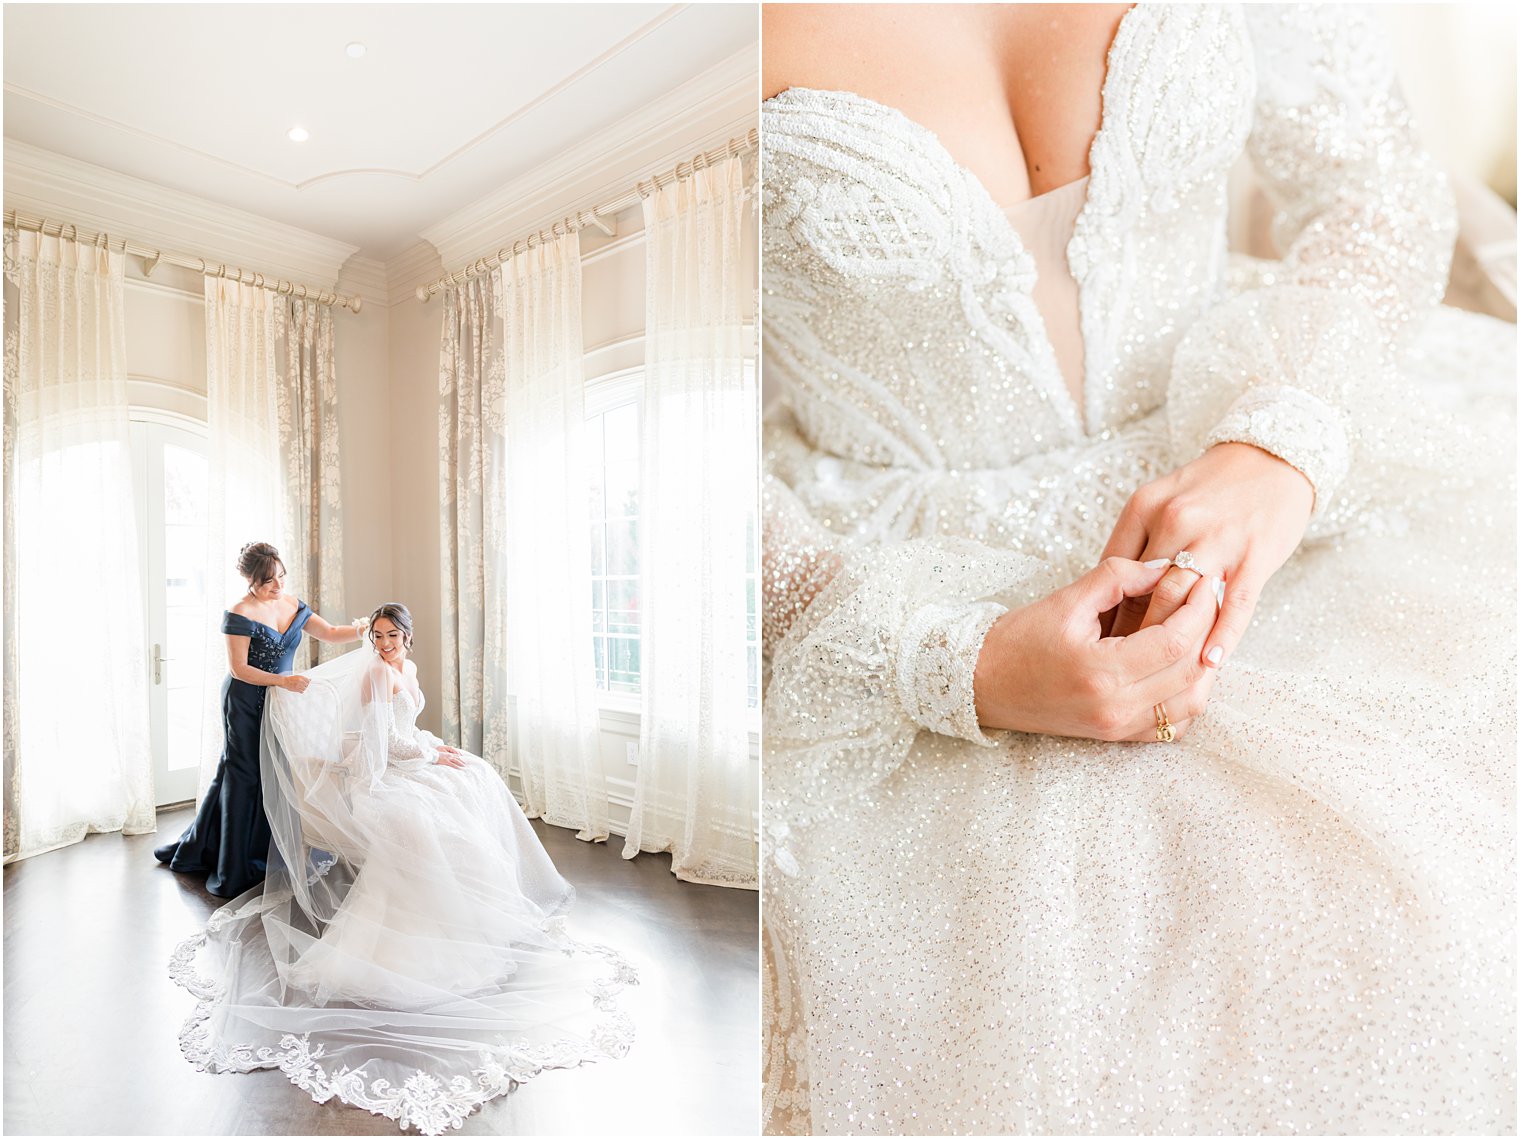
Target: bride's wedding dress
[405,954]
[1300,917]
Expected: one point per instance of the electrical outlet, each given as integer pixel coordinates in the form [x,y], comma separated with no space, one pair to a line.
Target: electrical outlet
[633,755]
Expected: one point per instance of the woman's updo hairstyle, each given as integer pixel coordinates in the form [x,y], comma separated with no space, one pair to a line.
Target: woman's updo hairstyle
[398,615]
[256,562]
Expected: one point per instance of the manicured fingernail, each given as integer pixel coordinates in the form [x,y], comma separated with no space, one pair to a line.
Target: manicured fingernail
[1157,563]
[1219,591]
[1214,655]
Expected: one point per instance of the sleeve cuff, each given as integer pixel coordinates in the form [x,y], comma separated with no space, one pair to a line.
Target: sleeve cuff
[1300,429]
[936,667]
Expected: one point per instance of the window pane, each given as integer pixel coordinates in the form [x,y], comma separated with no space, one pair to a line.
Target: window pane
[623,547]
[612,457]
[184,486]
[598,605]
[623,605]
[598,548]
[622,489]
[623,434]
[597,506]
[623,676]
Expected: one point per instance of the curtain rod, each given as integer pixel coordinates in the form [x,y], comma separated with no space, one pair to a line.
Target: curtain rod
[153,257]
[597,216]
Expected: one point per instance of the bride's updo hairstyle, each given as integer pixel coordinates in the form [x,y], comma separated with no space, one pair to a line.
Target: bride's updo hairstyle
[256,562]
[398,615]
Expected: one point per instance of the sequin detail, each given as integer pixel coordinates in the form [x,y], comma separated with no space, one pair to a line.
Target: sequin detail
[1297,919]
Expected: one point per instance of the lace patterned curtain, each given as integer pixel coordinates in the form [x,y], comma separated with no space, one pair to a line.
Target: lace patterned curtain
[306,411]
[696,793]
[546,541]
[76,756]
[471,463]
[245,497]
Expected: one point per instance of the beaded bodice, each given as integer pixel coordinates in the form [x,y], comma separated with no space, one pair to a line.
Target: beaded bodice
[405,708]
[931,326]
[269,650]
[900,321]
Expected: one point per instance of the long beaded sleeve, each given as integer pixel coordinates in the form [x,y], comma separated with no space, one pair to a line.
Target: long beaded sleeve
[1299,365]
[868,647]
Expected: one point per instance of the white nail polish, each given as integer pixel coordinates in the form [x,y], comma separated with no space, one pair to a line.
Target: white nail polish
[1157,563]
[1219,591]
[1214,654]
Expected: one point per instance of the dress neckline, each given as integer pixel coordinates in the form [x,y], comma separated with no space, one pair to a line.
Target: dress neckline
[277,632]
[1080,416]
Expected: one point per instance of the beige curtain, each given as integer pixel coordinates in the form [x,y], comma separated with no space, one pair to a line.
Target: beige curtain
[76,754]
[306,415]
[472,456]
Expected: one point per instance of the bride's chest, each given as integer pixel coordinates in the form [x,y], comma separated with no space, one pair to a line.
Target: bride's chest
[901,292]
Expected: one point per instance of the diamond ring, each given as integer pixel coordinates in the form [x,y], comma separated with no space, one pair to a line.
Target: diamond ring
[1184,560]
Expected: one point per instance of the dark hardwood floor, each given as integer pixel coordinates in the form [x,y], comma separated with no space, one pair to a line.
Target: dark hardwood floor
[92,1020]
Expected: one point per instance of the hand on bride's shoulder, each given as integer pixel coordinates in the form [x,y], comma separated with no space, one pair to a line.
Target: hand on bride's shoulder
[1048,668]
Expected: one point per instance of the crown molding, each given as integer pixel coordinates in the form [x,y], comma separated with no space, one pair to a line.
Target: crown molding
[43,182]
[367,278]
[705,111]
[418,264]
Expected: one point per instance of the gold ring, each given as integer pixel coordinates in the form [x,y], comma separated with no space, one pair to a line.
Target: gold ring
[1165,733]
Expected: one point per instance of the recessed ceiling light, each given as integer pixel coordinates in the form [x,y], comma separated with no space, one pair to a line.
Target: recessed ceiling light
[355,50]
[299,134]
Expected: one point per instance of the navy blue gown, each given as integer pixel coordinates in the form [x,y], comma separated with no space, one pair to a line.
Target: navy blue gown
[229,839]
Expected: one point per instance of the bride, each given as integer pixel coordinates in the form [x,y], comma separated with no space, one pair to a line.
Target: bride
[405,953]
[1052,476]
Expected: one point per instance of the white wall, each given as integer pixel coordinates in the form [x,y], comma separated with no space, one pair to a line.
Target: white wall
[412,345]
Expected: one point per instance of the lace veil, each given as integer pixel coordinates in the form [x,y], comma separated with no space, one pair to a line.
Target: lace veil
[404,953]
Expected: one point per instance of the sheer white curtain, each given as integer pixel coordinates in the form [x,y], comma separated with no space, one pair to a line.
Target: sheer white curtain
[697,788]
[546,540]
[472,483]
[77,756]
[245,492]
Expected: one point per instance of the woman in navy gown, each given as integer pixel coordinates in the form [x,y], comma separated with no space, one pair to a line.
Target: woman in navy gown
[229,839]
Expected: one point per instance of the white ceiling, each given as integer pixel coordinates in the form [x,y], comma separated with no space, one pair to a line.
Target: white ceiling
[449,102]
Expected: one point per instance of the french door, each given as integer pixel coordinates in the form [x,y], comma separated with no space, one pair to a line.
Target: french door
[170,474]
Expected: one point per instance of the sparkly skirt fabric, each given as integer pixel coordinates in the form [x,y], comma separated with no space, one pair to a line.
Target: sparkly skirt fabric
[1297,919]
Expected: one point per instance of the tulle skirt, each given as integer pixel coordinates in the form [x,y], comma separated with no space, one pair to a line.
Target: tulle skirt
[444,978]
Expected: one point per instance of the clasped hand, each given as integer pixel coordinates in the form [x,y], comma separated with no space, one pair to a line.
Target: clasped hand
[1094,659]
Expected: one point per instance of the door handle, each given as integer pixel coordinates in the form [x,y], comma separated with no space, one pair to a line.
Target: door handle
[159,660]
